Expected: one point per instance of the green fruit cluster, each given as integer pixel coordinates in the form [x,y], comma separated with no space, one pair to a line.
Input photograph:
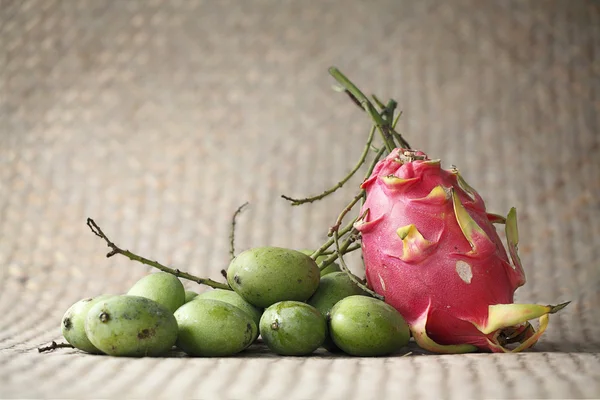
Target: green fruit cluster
[278,293]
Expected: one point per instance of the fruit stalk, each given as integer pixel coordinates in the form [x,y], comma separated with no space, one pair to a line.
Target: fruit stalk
[345,248]
[329,242]
[361,161]
[134,257]
[385,122]
[345,268]
[54,346]
[232,234]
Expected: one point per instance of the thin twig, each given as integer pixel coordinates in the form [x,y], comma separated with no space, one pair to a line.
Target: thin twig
[345,211]
[399,137]
[178,273]
[391,122]
[374,162]
[361,160]
[232,234]
[346,248]
[54,346]
[352,248]
[345,268]
[327,252]
[329,242]
[343,250]
[396,120]
[371,168]
[330,252]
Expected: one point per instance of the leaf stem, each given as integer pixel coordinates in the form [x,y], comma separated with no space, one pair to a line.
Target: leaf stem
[134,257]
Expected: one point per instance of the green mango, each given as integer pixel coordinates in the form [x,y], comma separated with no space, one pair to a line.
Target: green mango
[73,324]
[131,326]
[333,288]
[190,295]
[365,326]
[162,287]
[293,328]
[266,275]
[231,297]
[213,328]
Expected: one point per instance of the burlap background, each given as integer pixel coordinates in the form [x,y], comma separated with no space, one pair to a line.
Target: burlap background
[158,118]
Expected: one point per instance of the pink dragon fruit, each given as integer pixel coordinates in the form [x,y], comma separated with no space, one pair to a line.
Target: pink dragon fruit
[431,250]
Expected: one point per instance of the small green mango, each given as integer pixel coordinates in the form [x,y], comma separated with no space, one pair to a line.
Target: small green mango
[365,326]
[131,326]
[231,297]
[333,288]
[73,324]
[190,295]
[213,328]
[333,267]
[162,287]
[266,275]
[293,328]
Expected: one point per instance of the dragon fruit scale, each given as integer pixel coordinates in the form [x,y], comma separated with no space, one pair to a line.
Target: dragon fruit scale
[432,251]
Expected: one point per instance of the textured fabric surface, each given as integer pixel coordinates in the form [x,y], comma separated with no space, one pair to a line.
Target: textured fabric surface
[159,118]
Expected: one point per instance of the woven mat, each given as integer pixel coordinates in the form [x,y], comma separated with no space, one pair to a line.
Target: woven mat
[159,118]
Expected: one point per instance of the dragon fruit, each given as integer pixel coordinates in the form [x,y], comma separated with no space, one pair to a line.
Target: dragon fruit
[432,251]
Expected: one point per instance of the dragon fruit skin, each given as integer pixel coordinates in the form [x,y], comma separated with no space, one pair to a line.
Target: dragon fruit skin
[431,249]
